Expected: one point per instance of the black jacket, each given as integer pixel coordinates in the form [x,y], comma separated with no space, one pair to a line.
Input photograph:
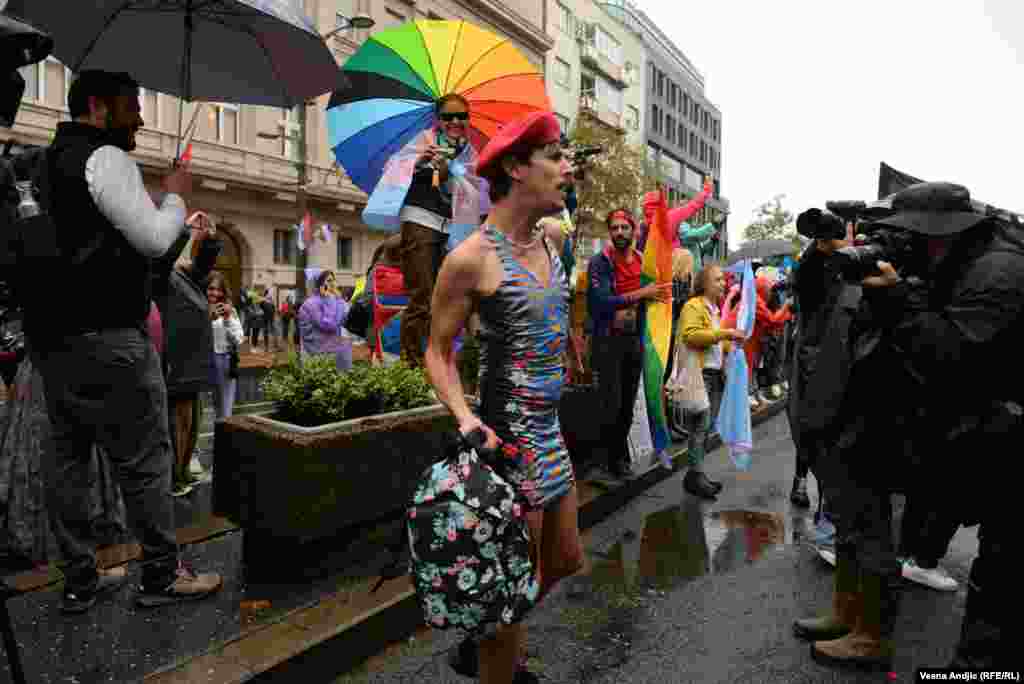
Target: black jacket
[104,267]
[942,371]
[180,295]
[825,306]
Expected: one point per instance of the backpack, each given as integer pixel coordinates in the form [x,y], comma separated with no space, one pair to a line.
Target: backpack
[469,544]
[28,246]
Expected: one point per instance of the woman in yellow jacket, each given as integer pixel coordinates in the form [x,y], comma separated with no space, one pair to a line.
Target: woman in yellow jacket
[700,331]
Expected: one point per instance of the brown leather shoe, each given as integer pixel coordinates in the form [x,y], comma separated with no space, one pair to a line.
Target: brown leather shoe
[865,648]
[188,585]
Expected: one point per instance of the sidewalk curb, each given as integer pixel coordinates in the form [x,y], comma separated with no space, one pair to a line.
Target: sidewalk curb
[345,650]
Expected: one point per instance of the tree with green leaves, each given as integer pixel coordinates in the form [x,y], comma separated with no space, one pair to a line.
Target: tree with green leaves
[611,180]
[772,221]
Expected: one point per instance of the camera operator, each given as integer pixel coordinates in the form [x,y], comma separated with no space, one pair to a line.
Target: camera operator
[937,328]
[820,367]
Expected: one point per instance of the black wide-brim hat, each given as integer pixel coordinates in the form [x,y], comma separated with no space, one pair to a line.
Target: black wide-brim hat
[932,209]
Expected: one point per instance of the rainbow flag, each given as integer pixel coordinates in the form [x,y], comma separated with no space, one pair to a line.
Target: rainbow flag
[657,332]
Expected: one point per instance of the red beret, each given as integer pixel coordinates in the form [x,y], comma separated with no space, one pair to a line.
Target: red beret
[534,130]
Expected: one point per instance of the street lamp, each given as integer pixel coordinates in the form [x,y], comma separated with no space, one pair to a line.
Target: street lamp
[360,21]
[357,22]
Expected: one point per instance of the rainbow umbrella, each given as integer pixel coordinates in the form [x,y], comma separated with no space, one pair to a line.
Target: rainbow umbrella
[397,75]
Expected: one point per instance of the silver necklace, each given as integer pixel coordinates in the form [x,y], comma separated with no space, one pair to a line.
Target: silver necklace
[538,233]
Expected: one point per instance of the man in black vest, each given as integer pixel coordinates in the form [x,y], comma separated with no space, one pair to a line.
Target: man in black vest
[101,375]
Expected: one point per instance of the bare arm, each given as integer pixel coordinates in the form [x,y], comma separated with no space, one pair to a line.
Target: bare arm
[452,305]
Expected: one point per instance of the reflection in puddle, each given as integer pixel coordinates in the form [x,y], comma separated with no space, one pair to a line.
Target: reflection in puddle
[678,544]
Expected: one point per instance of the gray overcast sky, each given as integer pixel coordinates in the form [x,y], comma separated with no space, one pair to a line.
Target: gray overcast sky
[815,93]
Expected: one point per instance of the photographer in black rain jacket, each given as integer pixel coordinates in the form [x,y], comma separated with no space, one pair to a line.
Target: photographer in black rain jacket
[932,345]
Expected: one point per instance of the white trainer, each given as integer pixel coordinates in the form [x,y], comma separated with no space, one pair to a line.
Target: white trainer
[827,555]
[936,577]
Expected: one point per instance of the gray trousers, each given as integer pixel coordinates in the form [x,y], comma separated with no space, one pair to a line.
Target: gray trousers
[107,388]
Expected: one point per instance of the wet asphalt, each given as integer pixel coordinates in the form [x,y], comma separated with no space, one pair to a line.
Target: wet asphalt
[683,590]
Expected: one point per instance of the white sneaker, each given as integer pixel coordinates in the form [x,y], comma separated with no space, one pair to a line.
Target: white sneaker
[776,391]
[827,555]
[195,466]
[936,577]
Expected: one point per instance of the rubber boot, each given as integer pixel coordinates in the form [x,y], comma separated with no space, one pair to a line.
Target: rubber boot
[981,641]
[867,647]
[843,617]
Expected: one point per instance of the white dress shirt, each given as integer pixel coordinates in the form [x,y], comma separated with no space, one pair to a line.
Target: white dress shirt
[221,332]
[115,184]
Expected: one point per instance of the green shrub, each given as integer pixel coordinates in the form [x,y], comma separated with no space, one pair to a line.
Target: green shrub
[313,392]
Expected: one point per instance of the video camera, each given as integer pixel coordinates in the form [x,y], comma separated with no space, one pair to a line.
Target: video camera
[579,157]
[876,243]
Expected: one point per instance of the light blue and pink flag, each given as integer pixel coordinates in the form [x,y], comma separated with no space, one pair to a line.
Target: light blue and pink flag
[733,422]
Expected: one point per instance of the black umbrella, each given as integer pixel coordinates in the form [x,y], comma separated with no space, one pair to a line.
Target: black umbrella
[762,249]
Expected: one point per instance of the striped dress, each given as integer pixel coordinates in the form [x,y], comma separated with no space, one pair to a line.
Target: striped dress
[523,336]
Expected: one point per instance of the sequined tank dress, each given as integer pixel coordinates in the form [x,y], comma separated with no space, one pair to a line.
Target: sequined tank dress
[523,336]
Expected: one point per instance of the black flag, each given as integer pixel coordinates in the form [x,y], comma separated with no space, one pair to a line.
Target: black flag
[890,181]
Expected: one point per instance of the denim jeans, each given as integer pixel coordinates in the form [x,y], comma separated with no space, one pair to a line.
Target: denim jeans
[701,425]
[224,388]
[107,388]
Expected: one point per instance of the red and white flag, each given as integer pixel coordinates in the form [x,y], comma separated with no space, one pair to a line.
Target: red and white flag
[307,228]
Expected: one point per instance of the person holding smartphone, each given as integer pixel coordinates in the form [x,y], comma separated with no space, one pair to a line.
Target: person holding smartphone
[227,334]
[425,218]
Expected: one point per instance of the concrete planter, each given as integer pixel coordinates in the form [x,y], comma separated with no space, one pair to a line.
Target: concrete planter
[297,484]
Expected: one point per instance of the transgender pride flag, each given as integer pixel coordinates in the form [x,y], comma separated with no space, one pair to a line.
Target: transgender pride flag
[657,332]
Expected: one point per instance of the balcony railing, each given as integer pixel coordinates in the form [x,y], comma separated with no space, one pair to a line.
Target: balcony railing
[591,57]
[590,105]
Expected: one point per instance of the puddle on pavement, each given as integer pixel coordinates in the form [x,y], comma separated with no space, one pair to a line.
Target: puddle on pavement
[680,543]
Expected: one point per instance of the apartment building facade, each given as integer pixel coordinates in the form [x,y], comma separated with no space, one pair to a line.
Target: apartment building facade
[595,68]
[682,127]
[245,157]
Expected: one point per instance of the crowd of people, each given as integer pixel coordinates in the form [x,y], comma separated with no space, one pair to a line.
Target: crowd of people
[870,361]
[169,334]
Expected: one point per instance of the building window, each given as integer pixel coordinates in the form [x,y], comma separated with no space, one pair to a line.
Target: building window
[609,95]
[563,123]
[686,104]
[661,84]
[670,128]
[226,123]
[394,17]
[564,20]
[693,144]
[682,137]
[289,126]
[344,253]
[284,247]
[714,130]
[608,46]
[654,79]
[632,118]
[563,72]
[672,95]
[149,100]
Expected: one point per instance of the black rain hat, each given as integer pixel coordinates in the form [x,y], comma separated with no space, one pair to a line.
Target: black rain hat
[933,209]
